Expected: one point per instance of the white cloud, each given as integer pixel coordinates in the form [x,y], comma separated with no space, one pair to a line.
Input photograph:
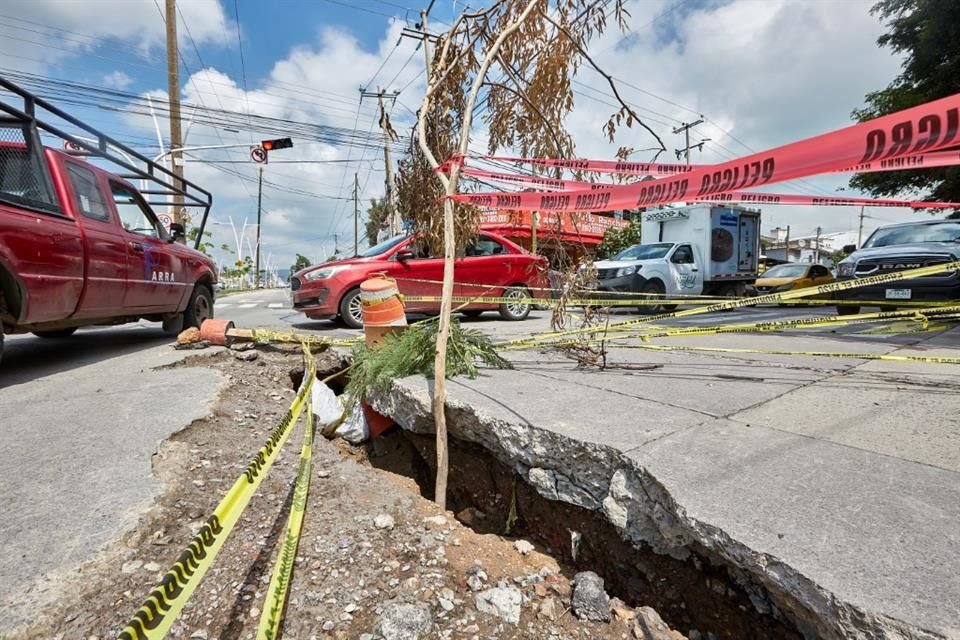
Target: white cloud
[117,80]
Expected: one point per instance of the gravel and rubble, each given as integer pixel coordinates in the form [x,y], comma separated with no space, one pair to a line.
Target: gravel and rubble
[375,561]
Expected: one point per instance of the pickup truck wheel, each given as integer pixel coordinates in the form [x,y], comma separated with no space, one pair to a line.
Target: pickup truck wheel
[514,309]
[351,309]
[655,289]
[847,310]
[57,333]
[200,307]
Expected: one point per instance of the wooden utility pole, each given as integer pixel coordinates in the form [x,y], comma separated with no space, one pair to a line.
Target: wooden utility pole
[173,91]
[816,250]
[356,215]
[256,260]
[389,135]
[786,253]
[685,128]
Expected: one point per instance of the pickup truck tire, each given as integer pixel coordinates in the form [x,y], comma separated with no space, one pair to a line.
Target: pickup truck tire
[847,310]
[56,333]
[514,311]
[655,288]
[199,308]
[351,309]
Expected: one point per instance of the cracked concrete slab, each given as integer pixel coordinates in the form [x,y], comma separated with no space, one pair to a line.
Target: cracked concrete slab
[877,531]
[851,540]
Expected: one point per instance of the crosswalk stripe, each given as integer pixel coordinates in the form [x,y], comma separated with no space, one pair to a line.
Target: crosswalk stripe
[249,305]
[276,305]
[224,305]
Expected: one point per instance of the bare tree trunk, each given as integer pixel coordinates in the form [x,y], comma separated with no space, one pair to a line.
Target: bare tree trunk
[449,248]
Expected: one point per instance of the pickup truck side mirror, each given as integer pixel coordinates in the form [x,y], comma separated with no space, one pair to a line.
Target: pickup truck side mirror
[177,232]
[404,254]
[849,248]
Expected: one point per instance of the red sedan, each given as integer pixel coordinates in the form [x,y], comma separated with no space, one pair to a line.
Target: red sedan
[490,266]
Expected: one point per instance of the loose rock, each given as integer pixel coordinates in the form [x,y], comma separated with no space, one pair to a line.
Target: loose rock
[503,602]
[383,521]
[131,566]
[401,621]
[246,356]
[523,547]
[590,601]
[649,626]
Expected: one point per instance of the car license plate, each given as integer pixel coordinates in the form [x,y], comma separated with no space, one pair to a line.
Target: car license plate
[898,294]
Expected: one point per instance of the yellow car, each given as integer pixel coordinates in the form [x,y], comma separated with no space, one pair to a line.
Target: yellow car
[785,277]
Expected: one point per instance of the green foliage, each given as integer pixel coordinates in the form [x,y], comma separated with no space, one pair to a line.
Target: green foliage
[205,246]
[377,215]
[616,240]
[302,262]
[926,32]
[412,352]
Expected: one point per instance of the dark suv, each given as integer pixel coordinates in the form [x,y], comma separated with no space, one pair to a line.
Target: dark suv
[900,247]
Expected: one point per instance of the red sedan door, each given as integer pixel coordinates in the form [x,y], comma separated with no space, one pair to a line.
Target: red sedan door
[419,275]
[488,267]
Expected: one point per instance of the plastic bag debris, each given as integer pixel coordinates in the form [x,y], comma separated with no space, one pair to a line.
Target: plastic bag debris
[354,429]
[328,410]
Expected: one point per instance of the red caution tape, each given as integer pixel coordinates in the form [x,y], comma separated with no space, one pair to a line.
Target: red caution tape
[928,127]
[662,169]
[739,197]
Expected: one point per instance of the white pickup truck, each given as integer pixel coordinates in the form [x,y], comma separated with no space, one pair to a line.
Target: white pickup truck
[694,250]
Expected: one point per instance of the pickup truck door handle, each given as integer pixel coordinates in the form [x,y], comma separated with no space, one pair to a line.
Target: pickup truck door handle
[136,246]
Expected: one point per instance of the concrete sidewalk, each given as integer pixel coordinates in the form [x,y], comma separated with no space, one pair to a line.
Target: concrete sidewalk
[832,482]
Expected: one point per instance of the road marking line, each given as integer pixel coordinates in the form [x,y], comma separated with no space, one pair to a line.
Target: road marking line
[249,305]
[224,305]
[276,305]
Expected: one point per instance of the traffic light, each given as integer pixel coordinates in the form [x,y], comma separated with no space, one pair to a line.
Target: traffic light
[279,143]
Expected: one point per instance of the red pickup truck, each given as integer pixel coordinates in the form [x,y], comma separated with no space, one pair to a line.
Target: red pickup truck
[81,246]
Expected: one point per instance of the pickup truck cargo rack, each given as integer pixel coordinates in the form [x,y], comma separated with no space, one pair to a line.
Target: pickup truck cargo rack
[100,145]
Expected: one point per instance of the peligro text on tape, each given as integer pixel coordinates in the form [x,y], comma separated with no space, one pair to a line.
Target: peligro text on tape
[771,298]
[660,169]
[739,197]
[161,607]
[929,127]
[283,568]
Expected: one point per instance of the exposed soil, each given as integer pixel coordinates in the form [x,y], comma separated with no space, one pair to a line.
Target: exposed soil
[349,571]
[689,595]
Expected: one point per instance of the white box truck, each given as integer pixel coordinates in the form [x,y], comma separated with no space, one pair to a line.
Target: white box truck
[692,250]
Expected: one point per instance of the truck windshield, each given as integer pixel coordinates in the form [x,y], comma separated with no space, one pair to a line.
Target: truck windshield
[383,247]
[914,233]
[645,251]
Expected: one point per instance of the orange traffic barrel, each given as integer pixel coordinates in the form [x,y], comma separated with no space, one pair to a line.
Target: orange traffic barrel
[382,309]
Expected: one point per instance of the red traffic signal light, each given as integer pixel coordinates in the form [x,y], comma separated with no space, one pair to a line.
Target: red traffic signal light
[279,143]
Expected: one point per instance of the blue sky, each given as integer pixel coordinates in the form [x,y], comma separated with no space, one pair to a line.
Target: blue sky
[763,72]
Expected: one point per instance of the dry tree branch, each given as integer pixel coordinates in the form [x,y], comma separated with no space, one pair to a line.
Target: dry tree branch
[449,242]
[551,127]
[609,78]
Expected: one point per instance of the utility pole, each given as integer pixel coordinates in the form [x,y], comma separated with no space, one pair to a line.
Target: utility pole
[256,260]
[173,91]
[356,215]
[816,253]
[860,232]
[685,129]
[786,252]
[389,135]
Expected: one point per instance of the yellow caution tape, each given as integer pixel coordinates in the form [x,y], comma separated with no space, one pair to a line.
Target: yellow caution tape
[651,302]
[770,298]
[283,568]
[158,612]
[269,335]
[818,354]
